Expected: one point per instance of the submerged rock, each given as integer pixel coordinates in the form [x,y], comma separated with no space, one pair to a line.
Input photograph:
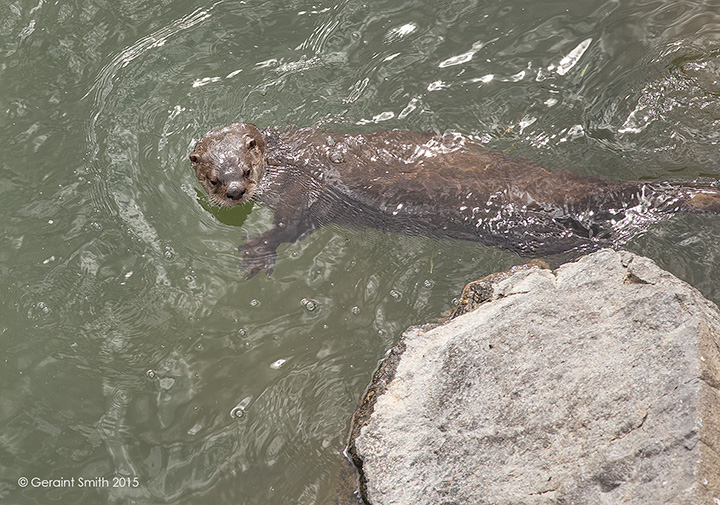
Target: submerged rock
[595,383]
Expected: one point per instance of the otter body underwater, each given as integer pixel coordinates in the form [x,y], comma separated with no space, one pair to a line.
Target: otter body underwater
[424,184]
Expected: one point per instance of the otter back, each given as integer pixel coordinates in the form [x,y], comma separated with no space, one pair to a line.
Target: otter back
[419,183]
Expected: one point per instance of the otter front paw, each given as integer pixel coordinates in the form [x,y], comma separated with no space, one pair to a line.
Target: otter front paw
[257,256]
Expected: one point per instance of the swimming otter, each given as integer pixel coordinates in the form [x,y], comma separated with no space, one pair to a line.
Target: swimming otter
[419,183]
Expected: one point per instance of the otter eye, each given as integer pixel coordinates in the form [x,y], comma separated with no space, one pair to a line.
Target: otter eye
[214,182]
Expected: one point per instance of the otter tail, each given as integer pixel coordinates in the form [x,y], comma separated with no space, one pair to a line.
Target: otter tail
[701,200]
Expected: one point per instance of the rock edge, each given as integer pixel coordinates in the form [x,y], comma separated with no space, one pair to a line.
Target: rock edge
[595,383]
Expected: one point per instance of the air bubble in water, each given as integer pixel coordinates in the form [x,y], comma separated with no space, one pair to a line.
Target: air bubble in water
[309,304]
[239,410]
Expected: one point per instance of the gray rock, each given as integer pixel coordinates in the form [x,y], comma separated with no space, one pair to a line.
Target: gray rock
[594,384]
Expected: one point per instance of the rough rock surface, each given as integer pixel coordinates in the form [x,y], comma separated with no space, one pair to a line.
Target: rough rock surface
[594,384]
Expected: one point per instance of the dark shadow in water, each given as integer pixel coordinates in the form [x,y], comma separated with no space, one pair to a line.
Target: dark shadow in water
[234,216]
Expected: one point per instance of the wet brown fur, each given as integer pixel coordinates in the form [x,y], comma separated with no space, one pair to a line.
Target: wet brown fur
[403,181]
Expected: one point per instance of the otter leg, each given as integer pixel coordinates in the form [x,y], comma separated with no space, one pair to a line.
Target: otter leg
[258,256]
[259,252]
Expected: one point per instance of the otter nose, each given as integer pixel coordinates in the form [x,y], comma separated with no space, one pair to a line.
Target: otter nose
[235,191]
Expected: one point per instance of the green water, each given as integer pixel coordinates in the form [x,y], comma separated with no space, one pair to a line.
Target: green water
[131,344]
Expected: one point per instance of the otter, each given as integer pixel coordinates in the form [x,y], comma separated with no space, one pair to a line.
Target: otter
[422,183]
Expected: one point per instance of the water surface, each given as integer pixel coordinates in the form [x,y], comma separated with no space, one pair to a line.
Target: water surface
[132,346]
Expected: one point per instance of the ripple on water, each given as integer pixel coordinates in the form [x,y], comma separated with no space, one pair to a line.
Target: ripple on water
[671,114]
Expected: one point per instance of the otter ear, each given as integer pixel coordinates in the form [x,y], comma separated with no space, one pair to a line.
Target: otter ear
[250,142]
[194,158]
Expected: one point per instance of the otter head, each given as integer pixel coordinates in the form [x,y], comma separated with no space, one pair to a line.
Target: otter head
[228,162]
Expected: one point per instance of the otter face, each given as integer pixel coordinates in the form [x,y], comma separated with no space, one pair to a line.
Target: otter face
[228,162]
